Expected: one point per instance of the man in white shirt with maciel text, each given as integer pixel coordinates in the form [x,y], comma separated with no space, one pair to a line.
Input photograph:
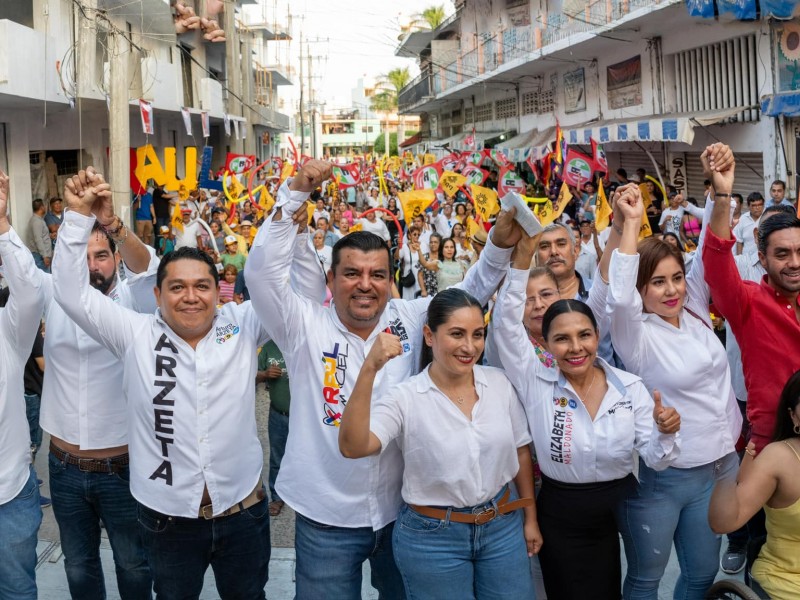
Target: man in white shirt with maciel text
[345,508]
[20,513]
[196,460]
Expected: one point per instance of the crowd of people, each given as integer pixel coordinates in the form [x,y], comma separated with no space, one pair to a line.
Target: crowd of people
[474,410]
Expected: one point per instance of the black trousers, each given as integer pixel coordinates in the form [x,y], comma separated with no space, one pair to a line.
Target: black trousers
[580,554]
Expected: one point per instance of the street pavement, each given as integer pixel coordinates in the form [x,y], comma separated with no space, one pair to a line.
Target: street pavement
[52,580]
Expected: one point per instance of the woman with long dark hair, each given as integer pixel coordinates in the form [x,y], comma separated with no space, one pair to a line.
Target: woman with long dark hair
[462,433]
[770,480]
[449,270]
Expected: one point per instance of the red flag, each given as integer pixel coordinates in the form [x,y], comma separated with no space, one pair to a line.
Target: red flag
[577,168]
[469,141]
[449,162]
[497,156]
[599,156]
[547,165]
[427,176]
[347,175]
[475,175]
[561,147]
[509,181]
[239,163]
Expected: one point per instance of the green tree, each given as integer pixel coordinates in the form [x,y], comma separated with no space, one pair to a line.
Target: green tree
[387,91]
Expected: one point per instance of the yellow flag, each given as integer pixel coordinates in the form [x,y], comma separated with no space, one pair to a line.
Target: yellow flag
[564,198]
[414,202]
[310,208]
[646,199]
[450,182]
[534,200]
[428,159]
[471,226]
[602,209]
[177,217]
[544,212]
[356,227]
[486,203]
[645,230]
[265,200]
[286,172]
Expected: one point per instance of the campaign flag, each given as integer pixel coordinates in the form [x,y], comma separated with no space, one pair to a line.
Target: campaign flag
[206,124]
[449,162]
[780,9]
[427,177]
[187,120]
[239,163]
[473,158]
[177,217]
[450,182]
[415,202]
[701,8]
[564,198]
[475,175]
[744,10]
[347,175]
[428,159]
[602,209]
[497,156]
[560,151]
[146,111]
[577,168]
[485,199]
[236,127]
[645,230]
[469,141]
[509,181]
[544,212]
[227,122]
[286,171]
[265,200]
[599,156]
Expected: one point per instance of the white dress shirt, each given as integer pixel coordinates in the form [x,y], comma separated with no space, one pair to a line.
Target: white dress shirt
[323,359]
[687,364]
[191,412]
[378,227]
[743,232]
[187,236]
[570,446]
[19,322]
[449,459]
[750,269]
[81,393]
[443,225]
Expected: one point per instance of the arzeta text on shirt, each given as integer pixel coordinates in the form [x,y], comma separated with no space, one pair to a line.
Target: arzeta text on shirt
[163,407]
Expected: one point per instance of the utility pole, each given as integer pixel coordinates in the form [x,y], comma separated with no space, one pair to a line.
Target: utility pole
[302,110]
[119,127]
[311,104]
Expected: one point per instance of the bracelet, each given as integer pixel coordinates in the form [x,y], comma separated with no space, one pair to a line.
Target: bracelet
[616,228]
[122,240]
[722,195]
[115,231]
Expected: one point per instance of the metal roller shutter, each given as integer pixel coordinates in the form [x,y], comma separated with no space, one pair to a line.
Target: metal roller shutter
[746,181]
[630,161]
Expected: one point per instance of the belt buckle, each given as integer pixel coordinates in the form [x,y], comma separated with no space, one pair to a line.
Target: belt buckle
[485,516]
[207,512]
[89,461]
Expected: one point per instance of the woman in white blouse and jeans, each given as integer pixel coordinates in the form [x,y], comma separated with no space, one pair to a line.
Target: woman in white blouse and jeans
[462,432]
[586,418]
[660,326]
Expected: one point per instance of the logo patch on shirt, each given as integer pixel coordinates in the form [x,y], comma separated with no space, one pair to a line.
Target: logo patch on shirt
[562,402]
[335,364]
[397,328]
[621,405]
[225,333]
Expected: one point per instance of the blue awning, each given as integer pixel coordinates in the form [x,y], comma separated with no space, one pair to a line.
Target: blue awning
[785,103]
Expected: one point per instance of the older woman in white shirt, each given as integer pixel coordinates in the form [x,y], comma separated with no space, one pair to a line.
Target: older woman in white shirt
[660,326]
[586,418]
[463,436]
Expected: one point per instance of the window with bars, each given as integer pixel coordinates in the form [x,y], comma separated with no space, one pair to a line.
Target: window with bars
[505,109]
[719,76]
[468,115]
[483,112]
[538,103]
[529,103]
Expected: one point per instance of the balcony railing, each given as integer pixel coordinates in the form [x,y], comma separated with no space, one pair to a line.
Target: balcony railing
[514,43]
[417,90]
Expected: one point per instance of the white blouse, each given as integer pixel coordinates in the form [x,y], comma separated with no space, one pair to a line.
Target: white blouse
[451,460]
[570,446]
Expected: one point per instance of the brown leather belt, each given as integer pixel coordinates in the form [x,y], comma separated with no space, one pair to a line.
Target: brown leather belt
[256,496]
[480,518]
[112,464]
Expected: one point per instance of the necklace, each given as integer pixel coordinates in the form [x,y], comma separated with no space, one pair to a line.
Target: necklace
[586,393]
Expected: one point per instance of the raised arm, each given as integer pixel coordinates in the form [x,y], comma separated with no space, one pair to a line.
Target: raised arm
[624,302]
[485,275]
[268,267]
[20,318]
[99,316]
[356,440]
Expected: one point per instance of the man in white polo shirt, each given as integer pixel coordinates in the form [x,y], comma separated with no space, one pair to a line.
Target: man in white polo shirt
[345,508]
[196,459]
[20,513]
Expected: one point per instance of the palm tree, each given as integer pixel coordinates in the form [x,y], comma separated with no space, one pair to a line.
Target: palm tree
[430,18]
[385,99]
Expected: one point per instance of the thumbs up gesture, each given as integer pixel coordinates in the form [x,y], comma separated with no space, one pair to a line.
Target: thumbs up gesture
[667,419]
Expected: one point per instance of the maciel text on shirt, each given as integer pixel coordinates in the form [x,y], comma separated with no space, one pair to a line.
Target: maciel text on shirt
[163,407]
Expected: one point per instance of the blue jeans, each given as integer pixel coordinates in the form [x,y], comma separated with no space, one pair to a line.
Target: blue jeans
[278,432]
[38,259]
[180,550]
[329,561]
[80,500]
[672,505]
[19,523]
[443,559]
[33,403]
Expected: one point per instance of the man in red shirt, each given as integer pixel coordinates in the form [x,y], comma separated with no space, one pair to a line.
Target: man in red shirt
[764,316]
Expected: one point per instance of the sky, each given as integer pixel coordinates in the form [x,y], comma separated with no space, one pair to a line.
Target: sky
[351,39]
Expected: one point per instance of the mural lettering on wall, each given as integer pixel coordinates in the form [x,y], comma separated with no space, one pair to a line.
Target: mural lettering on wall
[147,165]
